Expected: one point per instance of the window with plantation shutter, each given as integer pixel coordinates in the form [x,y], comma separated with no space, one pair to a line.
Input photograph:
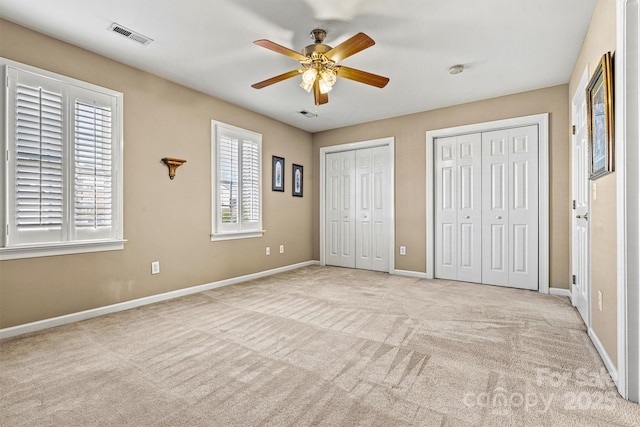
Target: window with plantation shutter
[63,186]
[236,182]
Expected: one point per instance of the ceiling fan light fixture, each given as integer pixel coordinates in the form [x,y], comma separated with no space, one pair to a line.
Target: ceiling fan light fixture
[309,75]
[327,80]
[328,76]
[324,86]
[308,78]
[318,61]
[306,85]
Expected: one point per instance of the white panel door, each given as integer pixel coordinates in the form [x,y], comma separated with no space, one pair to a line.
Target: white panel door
[340,209]
[495,220]
[372,216]
[469,252]
[458,208]
[510,207]
[446,207]
[358,209]
[523,207]
[580,236]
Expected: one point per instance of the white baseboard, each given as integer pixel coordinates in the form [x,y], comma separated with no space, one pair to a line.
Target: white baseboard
[407,273]
[101,311]
[560,292]
[608,363]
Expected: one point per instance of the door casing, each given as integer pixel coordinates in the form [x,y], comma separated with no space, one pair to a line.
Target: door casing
[388,141]
[542,121]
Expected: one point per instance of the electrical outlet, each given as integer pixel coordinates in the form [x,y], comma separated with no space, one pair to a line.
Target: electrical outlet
[281,249]
[403,250]
[155,267]
[600,300]
[267,251]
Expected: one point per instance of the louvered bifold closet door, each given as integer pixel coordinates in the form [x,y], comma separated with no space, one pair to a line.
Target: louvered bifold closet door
[35,126]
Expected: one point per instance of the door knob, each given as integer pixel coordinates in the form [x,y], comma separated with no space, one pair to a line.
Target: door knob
[585,216]
[467,217]
[498,217]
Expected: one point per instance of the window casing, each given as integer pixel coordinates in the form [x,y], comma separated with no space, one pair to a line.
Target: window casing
[62,165]
[236,182]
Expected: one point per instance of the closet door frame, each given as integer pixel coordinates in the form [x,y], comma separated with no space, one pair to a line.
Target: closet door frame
[389,142]
[542,121]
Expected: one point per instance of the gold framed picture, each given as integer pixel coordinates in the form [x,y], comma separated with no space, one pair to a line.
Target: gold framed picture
[600,119]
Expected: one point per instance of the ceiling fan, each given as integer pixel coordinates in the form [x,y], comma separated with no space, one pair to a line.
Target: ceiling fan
[319,64]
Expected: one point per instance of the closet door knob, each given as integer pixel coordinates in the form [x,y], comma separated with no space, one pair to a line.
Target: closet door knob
[498,217]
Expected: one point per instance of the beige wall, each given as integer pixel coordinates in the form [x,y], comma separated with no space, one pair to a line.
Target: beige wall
[410,156]
[601,38]
[164,220]
[169,221]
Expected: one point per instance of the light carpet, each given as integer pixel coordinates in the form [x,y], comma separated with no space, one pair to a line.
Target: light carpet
[318,346]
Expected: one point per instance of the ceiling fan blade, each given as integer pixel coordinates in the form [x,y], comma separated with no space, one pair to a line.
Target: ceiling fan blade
[362,76]
[355,44]
[282,50]
[276,79]
[318,97]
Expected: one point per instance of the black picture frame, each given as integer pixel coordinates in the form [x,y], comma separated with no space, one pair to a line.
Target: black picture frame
[277,174]
[600,119]
[297,180]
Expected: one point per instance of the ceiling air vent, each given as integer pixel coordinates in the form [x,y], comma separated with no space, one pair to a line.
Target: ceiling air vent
[307,114]
[137,37]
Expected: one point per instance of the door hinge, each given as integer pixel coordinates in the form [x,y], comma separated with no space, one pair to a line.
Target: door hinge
[573,129]
[574,204]
[573,279]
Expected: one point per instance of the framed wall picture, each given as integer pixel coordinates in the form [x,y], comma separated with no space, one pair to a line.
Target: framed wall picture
[600,119]
[297,180]
[277,178]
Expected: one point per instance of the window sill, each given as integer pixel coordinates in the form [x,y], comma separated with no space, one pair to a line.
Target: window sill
[233,236]
[52,249]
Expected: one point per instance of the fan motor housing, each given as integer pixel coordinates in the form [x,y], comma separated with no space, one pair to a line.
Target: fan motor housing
[316,47]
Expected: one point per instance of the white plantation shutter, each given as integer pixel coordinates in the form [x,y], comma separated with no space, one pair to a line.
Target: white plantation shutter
[63,155]
[93,166]
[250,183]
[236,182]
[228,180]
[38,171]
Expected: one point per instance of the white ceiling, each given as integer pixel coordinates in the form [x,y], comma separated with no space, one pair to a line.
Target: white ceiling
[507,46]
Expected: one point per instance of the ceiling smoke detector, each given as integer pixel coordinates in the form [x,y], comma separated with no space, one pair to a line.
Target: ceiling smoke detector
[130,34]
[456,69]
